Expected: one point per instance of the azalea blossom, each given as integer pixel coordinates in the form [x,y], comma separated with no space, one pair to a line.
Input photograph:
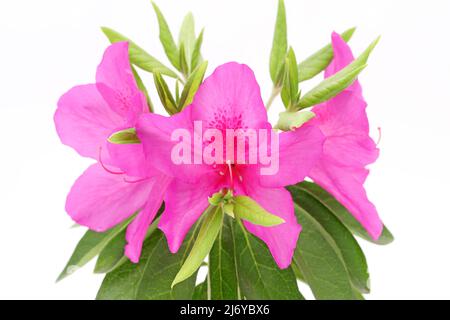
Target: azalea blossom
[348,148]
[121,183]
[229,99]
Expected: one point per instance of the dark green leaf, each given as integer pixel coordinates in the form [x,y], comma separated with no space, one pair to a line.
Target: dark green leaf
[316,63]
[192,85]
[205,240]
[138,56]
[320,261]
[349,248]
[259,276]
[152,277]
[88,247]
[279,45]
[338,82]
[165,36]
[222,265]
[201,291]
[343,214]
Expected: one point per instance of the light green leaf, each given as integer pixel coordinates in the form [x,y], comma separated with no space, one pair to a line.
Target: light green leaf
[138,56]
[259,276]
[342,213]
[126,136]
[165,36]
[152,277]
[196,55]
[142,87]
[291,120]
[192,85]
[165,95]
[222,265]
[320,261]
[289,92]
[279,45]
[203,244]
[88,247]
[351,252]
[248,209]
[184,66]
[316,63]
[335,84]
[187,36]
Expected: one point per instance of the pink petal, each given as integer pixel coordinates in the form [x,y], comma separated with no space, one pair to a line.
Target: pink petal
[84,120]
[185,203]
[298,152]
[115,81]
[100,200]
[281,239]
[346,185]
[137,229]
[230,98]
[155,132]
[130,158]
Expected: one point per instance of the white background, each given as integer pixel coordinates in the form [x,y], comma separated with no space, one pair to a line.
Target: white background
[49,46]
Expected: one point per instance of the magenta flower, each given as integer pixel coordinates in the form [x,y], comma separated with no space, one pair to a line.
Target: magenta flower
[348,148]
[121,183]
[229,99]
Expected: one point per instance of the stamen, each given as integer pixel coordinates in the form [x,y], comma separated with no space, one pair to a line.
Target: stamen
[103,166]
[379,136]
[230,170]
[135,181]
[221,173]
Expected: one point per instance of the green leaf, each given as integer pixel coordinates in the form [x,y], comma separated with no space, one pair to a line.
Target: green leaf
[316,63]
[222,265]
[138,56]
[203,244]
[248,209]
[289,93]
[291,120]
[165,36]
[335,84]
[279,45]
[259,276]
[320,261]
[349,248]
[126,136]
[196,55]
[192,85]
[165,95]
[152,277]
[91,244]
[187,36]
[142,87]
[342,213]
[184,66]
[201,292]
[113,255]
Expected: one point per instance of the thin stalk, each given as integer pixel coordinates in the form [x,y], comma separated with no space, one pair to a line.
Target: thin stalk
[275,92]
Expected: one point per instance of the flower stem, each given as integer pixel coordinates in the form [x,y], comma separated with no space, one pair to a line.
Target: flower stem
[275,92]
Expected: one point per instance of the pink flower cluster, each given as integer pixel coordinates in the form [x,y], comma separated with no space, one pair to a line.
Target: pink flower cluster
[333,149]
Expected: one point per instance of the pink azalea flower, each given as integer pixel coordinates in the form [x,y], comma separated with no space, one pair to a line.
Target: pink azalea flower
[122,183]
[229,99]
[348,148]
